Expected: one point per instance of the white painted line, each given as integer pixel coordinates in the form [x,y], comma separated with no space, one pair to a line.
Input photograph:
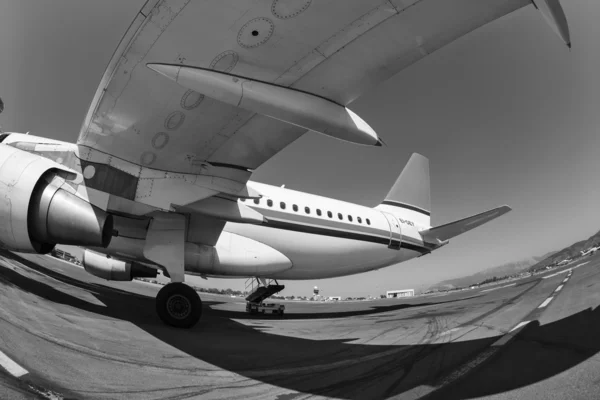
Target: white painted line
[558,288]
[501,287]
[565,280]
[450,331]
[521,324]
[511,334]
[12,367]
[461,371]
[546,302]
[570,271]
[553,275]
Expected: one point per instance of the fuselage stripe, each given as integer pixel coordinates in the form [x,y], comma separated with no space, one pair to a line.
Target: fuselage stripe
[318,230]
[406,206]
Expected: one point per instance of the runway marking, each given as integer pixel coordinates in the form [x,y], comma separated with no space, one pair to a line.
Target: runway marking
[464,369]
[450,331]
[511,334]
[12,367]
[546,302]
[501,287]
[570,271]
[495,347]
[319,367]
[555,274]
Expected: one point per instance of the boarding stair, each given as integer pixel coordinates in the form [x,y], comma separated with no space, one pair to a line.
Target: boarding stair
[260,289]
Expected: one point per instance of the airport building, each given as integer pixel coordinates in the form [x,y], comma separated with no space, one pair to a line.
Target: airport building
[400,293]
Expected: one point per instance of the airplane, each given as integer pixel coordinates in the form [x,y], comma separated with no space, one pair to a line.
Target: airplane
[195,98]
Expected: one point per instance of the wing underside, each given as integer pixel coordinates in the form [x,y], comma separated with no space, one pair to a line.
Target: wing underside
[333,50]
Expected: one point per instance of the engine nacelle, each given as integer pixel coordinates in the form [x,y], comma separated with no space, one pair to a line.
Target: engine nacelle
[38,211]
[115,270]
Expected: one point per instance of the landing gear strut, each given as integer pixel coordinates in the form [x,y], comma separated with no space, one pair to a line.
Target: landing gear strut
[178,305]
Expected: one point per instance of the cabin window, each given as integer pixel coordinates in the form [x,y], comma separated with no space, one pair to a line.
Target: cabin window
[318,212]
[256,201]
[307,210]
[359,220]
[368,222]
[270,203]
[329,214]
[282,205]
[340,216]
[295,207]
[350,218]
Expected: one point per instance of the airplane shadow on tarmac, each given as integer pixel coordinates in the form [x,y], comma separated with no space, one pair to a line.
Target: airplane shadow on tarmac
[334,367]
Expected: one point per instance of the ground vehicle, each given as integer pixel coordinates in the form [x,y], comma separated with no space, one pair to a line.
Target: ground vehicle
[265,308]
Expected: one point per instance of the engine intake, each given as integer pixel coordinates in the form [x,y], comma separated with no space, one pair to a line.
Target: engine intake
[115,270]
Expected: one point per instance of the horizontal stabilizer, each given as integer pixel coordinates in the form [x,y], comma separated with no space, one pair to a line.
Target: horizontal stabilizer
[447,231]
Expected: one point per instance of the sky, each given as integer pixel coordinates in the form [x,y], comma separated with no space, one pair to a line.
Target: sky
[506,115]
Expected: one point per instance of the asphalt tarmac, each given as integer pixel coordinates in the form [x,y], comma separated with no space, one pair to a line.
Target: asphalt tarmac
[65,334]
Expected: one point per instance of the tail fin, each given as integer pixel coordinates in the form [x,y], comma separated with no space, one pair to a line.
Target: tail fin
[441,233]
[409,198]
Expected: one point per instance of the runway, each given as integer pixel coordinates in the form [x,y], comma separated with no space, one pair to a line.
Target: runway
[79,337]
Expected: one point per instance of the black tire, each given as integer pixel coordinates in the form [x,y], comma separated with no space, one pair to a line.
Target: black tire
[178,305]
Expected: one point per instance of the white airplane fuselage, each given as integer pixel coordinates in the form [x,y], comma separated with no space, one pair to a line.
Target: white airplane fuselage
[327,254]
[310,246]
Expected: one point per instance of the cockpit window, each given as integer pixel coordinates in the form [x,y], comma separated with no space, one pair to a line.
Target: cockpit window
[3,136]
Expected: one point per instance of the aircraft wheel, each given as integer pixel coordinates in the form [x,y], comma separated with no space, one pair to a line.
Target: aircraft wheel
[178,305]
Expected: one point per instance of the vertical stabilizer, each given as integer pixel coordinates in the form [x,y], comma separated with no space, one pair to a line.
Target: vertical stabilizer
[409,198]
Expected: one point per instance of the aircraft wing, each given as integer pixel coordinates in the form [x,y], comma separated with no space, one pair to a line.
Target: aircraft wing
[331,50]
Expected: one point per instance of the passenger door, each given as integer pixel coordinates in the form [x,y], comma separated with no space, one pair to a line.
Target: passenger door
[395,231]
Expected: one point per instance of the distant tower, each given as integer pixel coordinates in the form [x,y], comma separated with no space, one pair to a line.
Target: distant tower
[316,291]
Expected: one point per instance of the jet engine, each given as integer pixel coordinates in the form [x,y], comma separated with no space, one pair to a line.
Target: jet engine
[115,270]
[37,209]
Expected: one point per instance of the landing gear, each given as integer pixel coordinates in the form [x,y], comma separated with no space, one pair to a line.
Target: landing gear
[178,305]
